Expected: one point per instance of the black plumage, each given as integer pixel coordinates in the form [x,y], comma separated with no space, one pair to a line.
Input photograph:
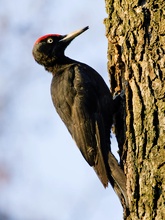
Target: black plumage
[84,103]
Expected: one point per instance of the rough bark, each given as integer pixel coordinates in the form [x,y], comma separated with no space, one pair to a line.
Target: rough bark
[136,63]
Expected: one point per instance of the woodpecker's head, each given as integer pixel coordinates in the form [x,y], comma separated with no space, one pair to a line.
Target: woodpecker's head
[50,48]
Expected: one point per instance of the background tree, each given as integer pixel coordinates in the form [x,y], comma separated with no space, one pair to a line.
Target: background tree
[136,63]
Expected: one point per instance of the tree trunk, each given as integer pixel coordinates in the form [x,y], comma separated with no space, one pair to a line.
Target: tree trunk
[136,63]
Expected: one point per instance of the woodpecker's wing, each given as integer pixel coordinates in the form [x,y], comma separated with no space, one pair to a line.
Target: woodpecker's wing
[84,106]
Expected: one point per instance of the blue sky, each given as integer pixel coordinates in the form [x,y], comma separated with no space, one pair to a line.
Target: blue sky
[43,176]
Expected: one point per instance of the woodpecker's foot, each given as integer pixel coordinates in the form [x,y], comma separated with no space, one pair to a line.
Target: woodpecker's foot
[119,96]
[118,100]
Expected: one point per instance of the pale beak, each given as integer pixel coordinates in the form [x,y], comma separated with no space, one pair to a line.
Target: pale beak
[71,36]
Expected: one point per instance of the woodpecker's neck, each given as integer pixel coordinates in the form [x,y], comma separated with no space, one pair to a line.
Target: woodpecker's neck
[61,63]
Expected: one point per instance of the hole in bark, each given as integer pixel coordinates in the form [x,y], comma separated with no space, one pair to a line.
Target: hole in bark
[156,6]
[147,20]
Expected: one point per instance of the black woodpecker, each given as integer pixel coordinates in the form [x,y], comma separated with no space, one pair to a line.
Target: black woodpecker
[84,103]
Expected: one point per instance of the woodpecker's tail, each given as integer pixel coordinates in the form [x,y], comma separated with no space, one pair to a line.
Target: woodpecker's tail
[119,183]
[99,166]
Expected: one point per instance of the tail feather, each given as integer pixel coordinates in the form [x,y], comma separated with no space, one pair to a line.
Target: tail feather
[110,171]
[99,166]
[119,178]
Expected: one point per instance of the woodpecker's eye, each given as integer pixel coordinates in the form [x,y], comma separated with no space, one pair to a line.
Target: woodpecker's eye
[49,40]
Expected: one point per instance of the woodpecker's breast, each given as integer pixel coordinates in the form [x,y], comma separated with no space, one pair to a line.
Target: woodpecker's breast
[63,94]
